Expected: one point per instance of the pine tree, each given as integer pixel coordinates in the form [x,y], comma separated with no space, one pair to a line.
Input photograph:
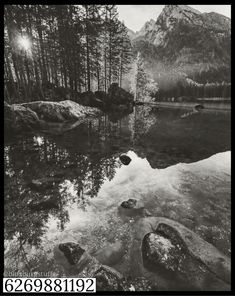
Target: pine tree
[72,47]
[143,86]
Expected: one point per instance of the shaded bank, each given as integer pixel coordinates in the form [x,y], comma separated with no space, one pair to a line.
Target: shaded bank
[38,115]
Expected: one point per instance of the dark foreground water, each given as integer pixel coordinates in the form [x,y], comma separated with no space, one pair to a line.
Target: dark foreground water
[180,169]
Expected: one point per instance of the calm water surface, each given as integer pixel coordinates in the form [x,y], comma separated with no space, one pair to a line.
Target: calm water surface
[180,169]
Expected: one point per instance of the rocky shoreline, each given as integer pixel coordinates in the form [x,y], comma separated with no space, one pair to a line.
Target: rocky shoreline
[40,114]
[35,115]
[165,255]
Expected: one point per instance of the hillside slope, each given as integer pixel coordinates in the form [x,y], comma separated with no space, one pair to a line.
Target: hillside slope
[184,42]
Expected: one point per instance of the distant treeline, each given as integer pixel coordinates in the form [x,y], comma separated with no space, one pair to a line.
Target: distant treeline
[80,47]
[193,91]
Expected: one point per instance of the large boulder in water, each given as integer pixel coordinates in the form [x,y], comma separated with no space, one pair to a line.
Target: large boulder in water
[161,252]
[28,116]
[18,117]
[60,111]
[169,251]
[119,96]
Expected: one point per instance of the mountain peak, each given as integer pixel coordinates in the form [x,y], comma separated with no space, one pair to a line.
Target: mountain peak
[149,23]
[180,8]
[174,17]
[185,39]
[148,26]
[178,12]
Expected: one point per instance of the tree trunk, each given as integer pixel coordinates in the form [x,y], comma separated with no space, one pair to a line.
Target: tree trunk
[120,71]
[110,58]
[105,71]
[88,63]
[42,49]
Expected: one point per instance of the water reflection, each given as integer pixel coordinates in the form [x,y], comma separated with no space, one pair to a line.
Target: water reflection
[69,186]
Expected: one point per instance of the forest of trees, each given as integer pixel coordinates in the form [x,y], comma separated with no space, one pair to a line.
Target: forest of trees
[75,47]
[171,87]
[189,90]
[66,49]
[187,80]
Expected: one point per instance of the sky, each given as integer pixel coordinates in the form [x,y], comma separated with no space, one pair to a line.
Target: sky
[135,16]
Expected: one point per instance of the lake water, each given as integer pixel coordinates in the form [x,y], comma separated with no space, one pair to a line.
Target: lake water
[180,169]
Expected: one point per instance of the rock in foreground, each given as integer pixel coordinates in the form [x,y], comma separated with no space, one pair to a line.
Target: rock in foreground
[177,257]
[76,260]
[161,252]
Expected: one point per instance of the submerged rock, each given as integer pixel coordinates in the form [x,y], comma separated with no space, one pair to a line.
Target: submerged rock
[132,208]
[111,254]
[125,159]
[129,204]
[76,260]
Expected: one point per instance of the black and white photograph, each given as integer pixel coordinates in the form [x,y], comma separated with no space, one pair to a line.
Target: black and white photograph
[117,148]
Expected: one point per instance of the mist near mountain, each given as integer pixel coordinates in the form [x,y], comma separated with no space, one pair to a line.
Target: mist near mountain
[185,43]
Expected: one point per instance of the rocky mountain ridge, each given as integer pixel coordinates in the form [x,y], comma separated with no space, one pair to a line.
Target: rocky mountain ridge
[194,44]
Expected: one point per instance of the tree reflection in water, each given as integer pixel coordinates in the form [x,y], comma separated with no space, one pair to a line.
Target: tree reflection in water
[79,161]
